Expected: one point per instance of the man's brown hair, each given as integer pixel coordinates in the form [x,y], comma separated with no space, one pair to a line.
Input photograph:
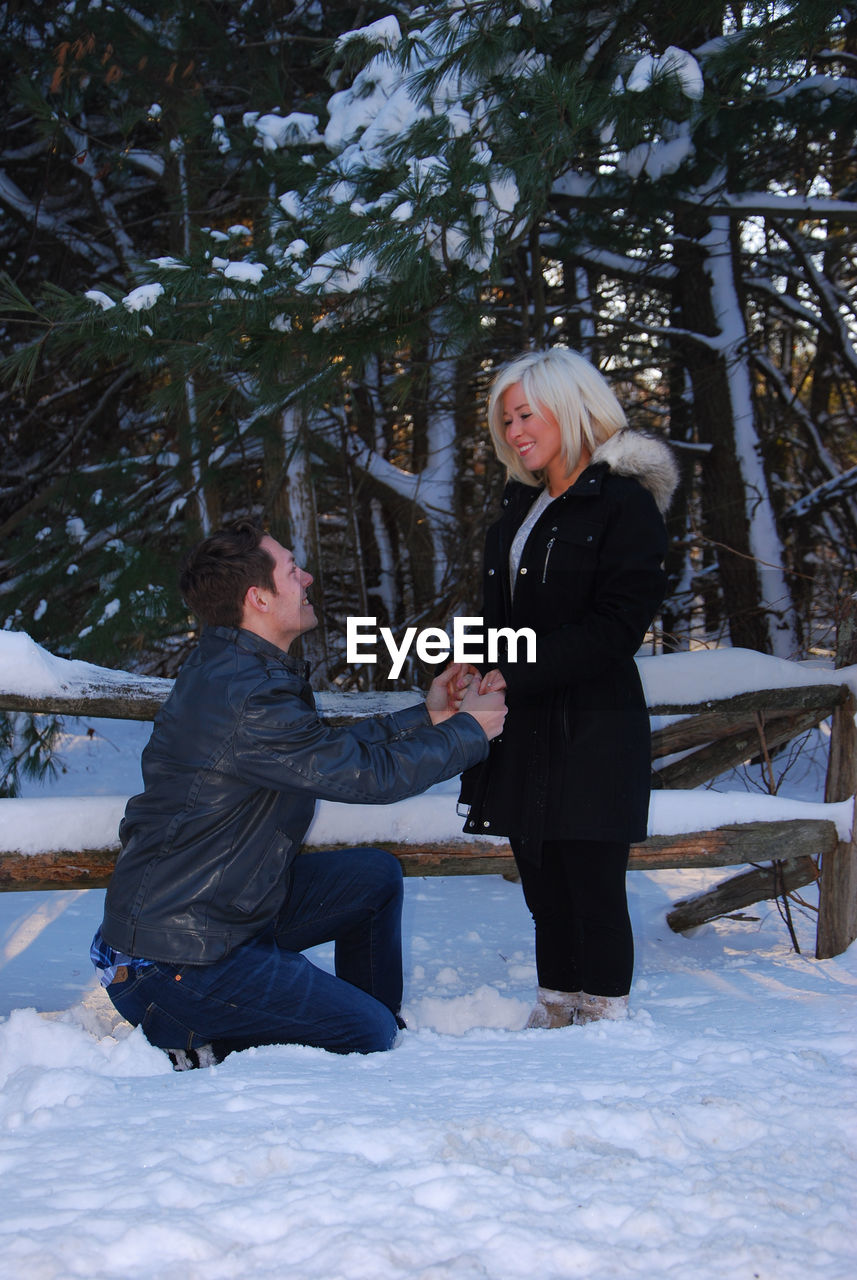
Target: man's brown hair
[217,573]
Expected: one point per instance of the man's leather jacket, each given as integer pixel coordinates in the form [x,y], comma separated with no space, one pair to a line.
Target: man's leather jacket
[236,761]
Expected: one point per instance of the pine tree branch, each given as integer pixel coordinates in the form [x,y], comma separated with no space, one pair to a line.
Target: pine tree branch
[59,456]
[830,305]
[37,216]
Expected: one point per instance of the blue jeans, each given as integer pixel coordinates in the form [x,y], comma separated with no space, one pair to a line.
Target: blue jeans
[266,992]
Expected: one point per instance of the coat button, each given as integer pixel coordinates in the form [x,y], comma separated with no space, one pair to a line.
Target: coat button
[589,537]
[490,573]
[523,571]
[486,824]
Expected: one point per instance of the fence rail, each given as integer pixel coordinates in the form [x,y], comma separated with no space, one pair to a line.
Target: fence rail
[700,741]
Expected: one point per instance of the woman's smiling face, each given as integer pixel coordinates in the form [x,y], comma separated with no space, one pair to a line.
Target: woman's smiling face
[533,433]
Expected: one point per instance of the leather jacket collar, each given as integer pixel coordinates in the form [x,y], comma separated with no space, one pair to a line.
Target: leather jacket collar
[250,642]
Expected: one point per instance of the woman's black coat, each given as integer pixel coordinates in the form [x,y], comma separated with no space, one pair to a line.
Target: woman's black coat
[574,758]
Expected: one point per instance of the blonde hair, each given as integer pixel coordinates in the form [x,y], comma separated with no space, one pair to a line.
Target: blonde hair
[568,387]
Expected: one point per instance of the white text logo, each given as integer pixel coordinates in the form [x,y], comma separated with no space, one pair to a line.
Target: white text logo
[433,645]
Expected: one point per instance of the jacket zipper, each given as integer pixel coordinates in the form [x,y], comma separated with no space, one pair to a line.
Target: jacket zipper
[548,550]
[566,727]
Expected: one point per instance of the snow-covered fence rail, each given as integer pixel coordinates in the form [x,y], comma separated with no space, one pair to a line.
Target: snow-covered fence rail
[710,711]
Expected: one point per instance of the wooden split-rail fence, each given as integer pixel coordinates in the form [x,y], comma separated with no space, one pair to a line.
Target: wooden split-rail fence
[705,740]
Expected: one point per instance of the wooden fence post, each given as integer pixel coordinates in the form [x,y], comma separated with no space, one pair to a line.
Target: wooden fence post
[837,900]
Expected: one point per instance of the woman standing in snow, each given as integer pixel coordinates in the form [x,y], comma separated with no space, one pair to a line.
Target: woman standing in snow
[577,555]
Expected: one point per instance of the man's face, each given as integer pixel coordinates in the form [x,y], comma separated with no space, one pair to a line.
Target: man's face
[288,613]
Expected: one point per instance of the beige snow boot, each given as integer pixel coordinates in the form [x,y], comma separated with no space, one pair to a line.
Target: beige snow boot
[595,1008]
[554,1008]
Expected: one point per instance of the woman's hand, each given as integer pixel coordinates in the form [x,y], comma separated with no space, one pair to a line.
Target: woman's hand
[493,681]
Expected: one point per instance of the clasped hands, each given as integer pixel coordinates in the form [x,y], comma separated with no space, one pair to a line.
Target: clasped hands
[462,687]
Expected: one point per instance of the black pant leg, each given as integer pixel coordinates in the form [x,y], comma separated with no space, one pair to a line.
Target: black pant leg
[579,906]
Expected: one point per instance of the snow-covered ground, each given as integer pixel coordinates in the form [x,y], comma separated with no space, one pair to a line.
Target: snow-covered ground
[713,1134]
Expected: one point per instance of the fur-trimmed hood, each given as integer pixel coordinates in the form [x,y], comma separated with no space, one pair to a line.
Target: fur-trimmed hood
[646,458]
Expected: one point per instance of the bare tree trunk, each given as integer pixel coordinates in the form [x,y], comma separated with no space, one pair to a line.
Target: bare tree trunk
[294,523]
[729,495]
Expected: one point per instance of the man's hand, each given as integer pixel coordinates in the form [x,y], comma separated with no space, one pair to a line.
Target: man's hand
[488,708]
[446,692]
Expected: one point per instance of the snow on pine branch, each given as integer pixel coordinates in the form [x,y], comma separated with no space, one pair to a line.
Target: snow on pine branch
[672,62]
[370,130]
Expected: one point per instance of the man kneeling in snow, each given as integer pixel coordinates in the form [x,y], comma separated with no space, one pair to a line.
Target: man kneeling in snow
[209,908]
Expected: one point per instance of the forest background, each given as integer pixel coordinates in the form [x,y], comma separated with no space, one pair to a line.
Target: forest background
[263,258]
